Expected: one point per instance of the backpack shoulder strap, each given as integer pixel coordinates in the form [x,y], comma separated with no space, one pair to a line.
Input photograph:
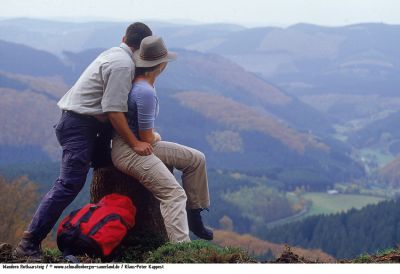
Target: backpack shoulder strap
[85,217]
[106,219]
[70,217]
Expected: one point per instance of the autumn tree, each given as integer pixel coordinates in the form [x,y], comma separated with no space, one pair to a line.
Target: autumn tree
[226,223]
[18,199]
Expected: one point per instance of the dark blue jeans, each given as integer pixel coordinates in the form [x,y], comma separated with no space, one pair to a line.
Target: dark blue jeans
[81,137]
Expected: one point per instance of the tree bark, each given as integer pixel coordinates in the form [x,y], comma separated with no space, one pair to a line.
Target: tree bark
[149,222]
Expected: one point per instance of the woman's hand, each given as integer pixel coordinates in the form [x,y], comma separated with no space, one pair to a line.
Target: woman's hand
[157,137]
[149,135]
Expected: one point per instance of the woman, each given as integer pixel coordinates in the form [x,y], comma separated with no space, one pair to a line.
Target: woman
[150,60]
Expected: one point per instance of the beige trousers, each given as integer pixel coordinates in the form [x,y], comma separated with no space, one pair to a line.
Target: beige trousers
[154,173]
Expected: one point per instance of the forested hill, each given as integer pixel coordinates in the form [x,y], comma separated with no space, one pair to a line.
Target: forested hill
[346,235]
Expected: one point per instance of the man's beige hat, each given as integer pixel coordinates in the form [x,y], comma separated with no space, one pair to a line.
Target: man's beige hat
[152,52]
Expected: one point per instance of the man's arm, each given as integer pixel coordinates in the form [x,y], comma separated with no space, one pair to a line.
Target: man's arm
[118,121]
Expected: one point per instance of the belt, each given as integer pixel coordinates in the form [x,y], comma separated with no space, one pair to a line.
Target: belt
[79,115]
[97,118]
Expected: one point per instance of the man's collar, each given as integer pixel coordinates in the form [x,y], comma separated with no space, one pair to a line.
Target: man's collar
[127,49]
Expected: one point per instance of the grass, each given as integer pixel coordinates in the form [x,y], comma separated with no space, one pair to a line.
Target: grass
[52,252]
[323,203]
[198,251]
[137,247]
[364,258]
[385,252]
[390,255]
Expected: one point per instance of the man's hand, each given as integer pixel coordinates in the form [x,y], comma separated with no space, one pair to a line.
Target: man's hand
[143,148]
[120,124]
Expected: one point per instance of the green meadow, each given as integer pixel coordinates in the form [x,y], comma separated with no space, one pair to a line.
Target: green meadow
[324,203]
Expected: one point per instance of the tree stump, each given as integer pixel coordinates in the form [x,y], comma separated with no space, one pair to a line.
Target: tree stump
[149,231]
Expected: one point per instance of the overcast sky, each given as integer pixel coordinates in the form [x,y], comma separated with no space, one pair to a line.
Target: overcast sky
[245,12]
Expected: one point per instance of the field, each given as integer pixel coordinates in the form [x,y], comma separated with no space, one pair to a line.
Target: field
[376,155]
[323,203]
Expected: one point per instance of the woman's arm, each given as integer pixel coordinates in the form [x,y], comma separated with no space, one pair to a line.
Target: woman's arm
[146,103]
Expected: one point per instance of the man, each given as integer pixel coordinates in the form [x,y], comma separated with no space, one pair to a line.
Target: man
[100,94]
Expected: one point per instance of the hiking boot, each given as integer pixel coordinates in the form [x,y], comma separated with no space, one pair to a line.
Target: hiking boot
[28,247]
[196,224]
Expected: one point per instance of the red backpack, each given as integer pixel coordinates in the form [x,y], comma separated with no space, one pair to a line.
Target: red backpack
[96,229]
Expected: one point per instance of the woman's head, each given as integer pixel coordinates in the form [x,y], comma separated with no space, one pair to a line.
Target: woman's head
[147,71]
[152,54]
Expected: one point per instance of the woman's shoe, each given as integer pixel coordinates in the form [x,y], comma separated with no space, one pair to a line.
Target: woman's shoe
[196,224]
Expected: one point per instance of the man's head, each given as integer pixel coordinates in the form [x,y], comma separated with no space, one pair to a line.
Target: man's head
[135,34]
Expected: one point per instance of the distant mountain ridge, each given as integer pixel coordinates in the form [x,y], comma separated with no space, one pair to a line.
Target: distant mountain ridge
[56,36]
[29,61]
[304,60]
[287,51]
